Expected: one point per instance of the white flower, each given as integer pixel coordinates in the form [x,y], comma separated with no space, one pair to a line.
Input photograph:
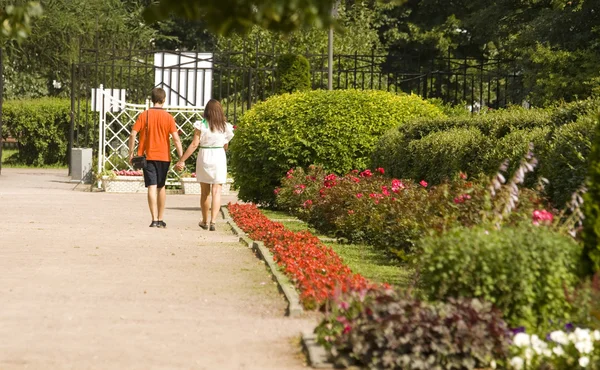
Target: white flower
[582,334]
[517,363]
[538,345]
[585,347]
[584,361]
[493,364]
[528,354]
[596,334]
[558,350]
[521,340]
[559,337]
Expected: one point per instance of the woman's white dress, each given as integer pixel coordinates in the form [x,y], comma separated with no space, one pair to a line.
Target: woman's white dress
[211,165]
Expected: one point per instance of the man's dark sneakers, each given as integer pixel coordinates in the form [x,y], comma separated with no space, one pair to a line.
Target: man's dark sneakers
[212,227]
[155,224]
[162,224]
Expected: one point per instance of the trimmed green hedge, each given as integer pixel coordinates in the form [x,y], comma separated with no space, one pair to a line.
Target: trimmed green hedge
[564,161]
[334,129]
[41,127]
[591,208]
[435,149]
[523,270]
[293,73]
[445,151]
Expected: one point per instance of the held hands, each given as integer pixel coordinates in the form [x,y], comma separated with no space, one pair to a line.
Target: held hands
[179,166]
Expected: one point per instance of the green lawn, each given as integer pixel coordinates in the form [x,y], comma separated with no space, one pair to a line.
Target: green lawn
[362,259]
[9,160]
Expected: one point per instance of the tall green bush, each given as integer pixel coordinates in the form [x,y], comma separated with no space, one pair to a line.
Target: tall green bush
[335,129]
[523,270]
[293,73]
[591,206]
[41,127]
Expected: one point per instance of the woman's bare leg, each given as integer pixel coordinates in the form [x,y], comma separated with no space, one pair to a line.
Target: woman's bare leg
[204,202]
[216,202]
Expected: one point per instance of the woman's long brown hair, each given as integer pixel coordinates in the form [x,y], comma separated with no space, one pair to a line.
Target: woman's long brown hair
[213,113]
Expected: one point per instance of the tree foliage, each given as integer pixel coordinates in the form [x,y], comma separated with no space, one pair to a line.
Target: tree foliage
[554,43]
[225,17]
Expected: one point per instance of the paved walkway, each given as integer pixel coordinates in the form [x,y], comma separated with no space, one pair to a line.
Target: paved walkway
[86,284]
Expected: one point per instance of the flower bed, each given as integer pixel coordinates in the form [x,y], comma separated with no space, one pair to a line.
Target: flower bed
[124,181]
[315,269]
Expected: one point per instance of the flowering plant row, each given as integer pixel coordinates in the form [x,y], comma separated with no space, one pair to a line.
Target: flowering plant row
[316,270]
[128,173]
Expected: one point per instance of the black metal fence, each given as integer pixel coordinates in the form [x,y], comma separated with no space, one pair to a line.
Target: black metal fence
[239,79]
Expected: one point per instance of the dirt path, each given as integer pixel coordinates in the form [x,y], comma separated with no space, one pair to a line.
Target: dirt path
[86,284]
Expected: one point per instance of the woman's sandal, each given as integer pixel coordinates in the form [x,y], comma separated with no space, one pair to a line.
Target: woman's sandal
[203,226]
[212,226]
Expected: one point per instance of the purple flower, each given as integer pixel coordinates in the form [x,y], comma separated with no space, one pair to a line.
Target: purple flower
[520,329]
[569,327]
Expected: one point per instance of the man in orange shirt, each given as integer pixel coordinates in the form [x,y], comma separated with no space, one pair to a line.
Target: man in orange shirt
[155,125]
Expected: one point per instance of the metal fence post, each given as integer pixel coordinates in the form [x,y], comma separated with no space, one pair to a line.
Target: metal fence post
[72,126]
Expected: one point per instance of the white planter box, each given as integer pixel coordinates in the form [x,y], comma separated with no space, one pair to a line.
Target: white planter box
[191,186]
[124,184]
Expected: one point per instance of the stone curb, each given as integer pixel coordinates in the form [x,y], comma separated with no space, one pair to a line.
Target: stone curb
[284,283]
[317,355]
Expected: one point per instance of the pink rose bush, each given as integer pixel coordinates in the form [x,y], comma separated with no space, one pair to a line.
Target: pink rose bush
[366,206]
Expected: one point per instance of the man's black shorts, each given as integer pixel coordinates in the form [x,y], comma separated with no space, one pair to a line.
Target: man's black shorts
[155,173]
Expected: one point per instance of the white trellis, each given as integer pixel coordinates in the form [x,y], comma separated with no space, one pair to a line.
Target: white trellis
[116,119]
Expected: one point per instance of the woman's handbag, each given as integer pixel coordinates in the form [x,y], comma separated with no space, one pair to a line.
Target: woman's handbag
[139,161]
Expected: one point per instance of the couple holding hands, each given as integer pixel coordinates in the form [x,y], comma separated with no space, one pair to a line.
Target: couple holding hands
[211,138]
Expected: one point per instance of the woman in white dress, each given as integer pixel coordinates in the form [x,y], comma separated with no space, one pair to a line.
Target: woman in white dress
[212,136]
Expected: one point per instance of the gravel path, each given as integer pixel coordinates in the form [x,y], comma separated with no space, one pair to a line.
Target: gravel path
[86,284]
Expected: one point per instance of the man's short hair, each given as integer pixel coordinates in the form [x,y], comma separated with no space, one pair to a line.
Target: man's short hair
[158,95]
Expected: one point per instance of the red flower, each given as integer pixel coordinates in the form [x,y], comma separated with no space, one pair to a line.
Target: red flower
[276,191]
[330,181]
[397,185]
[380,170]
[463,175]
[423,183]
[350,212]
[307,204]
[354,171]
[359,195]
[366,173]
[384,190]
[542,216]
[289,174]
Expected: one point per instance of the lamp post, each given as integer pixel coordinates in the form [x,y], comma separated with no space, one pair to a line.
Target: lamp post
[330,48]
[1,101]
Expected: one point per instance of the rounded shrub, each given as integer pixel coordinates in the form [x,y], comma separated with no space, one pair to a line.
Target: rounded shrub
[334,129]
[523,270]
[293,73]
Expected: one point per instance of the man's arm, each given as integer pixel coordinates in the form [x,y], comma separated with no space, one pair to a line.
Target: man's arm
[177,141]
[132,144]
